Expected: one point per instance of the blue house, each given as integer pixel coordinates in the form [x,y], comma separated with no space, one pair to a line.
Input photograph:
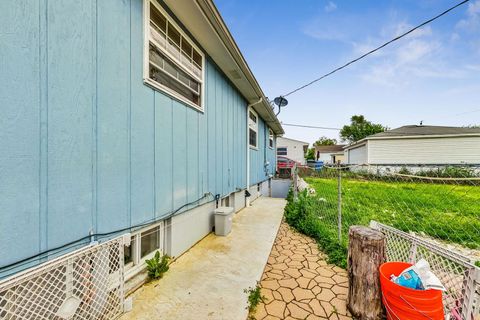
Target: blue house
[124,116]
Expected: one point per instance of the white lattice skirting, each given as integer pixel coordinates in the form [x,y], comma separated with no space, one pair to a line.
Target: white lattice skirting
[84,284]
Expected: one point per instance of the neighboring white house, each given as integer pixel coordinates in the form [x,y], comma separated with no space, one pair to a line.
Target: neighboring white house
[330,154]
[413,145]
[293,149]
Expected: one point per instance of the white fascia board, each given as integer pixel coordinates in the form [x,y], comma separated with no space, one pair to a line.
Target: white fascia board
[203,21]
[436,136]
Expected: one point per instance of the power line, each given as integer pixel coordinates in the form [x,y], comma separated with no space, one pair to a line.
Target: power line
[467,112]
[307,126]
[378,48]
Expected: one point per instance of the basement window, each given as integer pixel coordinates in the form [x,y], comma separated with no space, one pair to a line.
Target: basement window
[270,138]
[173,63]
[253,129]
[143,245]
[150,241]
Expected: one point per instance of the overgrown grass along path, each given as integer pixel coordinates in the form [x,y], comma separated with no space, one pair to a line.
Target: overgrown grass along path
[443,211]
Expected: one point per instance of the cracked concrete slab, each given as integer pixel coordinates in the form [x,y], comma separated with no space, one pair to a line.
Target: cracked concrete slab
[208,281]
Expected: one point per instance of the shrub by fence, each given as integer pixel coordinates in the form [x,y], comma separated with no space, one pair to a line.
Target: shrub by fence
[438,205]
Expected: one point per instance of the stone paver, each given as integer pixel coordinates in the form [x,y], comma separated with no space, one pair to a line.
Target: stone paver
[299,284]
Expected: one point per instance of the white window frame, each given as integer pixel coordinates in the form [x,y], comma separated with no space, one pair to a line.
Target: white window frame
[252,125]
[271,138]
[146,58]
[138,263]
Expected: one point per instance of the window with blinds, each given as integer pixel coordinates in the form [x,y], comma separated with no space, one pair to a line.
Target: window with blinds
[173,63]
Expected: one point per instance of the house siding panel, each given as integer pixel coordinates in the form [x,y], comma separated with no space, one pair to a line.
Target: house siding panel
[295,149]
[23,157]
[357,155]
[142,123]
[259,169]
[446,150]
[86,146]
[113,115]
[163,127]
[69,136]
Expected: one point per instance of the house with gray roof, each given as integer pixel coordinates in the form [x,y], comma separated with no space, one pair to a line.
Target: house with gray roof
[330,154]
[417,145]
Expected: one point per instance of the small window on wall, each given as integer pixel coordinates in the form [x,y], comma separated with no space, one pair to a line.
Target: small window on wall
[143,245]
[150,241]
[281,151]
[270,138]
[253,129]
[173,63]
[128,253]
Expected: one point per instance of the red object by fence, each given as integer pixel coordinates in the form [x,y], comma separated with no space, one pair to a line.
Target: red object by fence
[404,303]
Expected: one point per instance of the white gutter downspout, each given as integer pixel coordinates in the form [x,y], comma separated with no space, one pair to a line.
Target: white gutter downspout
[247,199]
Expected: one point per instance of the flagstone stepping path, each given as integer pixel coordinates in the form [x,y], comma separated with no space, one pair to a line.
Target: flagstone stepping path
[299,284]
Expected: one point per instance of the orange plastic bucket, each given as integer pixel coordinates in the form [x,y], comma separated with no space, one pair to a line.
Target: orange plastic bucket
[404,303]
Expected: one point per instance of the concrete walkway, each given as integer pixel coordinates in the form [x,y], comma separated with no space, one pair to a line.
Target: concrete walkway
[299,284]
[280,188]
[207,282]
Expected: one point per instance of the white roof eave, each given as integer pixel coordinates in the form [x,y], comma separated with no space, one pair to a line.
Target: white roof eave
[203,21]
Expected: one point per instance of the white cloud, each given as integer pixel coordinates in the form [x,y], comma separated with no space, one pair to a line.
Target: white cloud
[329,27]
[413,56]
[472,22]
[474,8]
[331,6]
[415,50]
[473,67]
[421,54]
[326,34]
[454,37]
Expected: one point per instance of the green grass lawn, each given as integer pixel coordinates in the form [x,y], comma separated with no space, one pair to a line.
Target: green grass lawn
[443,211]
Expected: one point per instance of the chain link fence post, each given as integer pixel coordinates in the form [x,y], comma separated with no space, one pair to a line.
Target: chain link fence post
[339,204]
[295,182]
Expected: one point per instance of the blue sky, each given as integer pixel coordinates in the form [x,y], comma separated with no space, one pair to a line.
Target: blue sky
[432,75]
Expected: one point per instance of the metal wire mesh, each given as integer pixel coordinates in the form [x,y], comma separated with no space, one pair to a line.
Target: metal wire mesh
[85,284]
[436,205]
[456,272]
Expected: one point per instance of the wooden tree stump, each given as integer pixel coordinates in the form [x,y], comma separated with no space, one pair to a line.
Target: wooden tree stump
[366,252]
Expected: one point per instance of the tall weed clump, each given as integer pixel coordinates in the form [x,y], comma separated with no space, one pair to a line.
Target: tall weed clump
[302,214]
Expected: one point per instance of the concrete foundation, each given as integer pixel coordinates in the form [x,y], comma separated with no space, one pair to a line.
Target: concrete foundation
[265,188]
[186,229]
[260,189]
[238,200]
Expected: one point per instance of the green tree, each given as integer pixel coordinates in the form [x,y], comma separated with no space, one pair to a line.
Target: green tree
[360,128]
[325,141]
[310,155]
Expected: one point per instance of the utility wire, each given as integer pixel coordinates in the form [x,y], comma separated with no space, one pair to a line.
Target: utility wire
[378,48]
[67,246]
[467,112]
[307,126]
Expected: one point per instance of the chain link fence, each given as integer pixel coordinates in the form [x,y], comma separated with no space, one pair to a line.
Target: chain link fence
[436,205]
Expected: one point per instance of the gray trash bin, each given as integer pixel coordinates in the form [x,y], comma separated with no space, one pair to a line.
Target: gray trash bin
[223,220]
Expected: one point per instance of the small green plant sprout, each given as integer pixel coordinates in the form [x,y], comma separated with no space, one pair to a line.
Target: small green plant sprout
[477,263]
[254,298]
[157,266]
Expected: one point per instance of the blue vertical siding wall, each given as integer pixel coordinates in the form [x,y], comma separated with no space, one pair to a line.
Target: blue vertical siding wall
[263,158]
[85,145]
